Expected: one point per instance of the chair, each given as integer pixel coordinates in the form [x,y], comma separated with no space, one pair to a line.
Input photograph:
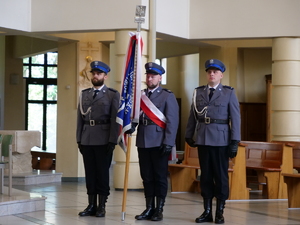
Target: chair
[6,151]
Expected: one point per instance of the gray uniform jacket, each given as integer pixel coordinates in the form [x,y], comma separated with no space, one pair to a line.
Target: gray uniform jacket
[224,106]
[103,112]
[149,136]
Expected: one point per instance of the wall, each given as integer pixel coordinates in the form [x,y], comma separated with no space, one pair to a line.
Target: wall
[182,18]
[242,19]
[2,75]
[27,46]
[14,111]
[92,15]
[16,14]
[257,64]
[173,76]
[69,160]
[173,17]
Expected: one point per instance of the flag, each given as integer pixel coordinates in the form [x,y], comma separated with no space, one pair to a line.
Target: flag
[130,96]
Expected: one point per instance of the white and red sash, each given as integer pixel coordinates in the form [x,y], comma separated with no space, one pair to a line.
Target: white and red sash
[152,111]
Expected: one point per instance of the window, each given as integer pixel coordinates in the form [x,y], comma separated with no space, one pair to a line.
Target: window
[163,63]
[40,72]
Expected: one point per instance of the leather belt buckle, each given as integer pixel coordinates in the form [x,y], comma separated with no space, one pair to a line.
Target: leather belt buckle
[207,120]
[92,123]
[145,122]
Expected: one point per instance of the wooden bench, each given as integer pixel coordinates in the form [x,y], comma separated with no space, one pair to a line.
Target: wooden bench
[42,160]
[270,160]
[183,177]
[293,189]
[296,153]
[296,157]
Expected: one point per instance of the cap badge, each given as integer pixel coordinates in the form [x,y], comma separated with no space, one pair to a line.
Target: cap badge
[211,61]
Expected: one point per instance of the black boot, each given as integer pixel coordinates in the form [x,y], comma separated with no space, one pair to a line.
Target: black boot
[101,207]
[91,208]
[206,216]
[219,211]
[149,211]
[158,216]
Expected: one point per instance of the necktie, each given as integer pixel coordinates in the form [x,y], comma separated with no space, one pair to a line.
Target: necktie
[95,93]
[149,94]
[211,93]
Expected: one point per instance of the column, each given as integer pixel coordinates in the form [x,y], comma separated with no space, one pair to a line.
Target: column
[285,89]
[134,178]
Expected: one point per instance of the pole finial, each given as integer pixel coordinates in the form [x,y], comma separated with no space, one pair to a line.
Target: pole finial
[140,12]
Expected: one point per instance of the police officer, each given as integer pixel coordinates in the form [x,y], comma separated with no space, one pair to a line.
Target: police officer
[156,135]
[97,133]
[214,121]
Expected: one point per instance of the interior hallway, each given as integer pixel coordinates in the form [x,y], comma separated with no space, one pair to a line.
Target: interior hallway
[66,199]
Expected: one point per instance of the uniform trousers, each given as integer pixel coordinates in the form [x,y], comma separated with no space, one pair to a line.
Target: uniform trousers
[154,172]
[214,164]
[96,164]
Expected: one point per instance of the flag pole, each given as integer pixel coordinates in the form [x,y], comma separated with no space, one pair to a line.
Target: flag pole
[126,178]
[139,19]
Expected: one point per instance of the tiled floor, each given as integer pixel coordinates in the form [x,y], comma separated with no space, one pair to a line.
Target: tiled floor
[66,199]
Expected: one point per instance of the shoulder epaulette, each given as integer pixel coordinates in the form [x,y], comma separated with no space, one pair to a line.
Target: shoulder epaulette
[167,90]
[111,89]
[86,89]
[203,86]
[225,86]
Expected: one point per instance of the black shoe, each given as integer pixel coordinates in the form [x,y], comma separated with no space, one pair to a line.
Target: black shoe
[219,218]
[91,208]
[100,212]
[219,211]
[146,215]
[149,211]
[89,211]
[158,216]
[206,216]
[101,208]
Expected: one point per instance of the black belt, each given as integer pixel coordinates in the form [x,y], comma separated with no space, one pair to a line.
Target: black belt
[147,122]
[209,120]
[97,122]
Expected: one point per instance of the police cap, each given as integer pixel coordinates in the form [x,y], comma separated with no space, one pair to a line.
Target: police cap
[99,66]
[216,64]
[154,68]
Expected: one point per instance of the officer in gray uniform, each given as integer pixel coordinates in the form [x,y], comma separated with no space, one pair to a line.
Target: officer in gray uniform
[214,122]
[155,143]
[97,134]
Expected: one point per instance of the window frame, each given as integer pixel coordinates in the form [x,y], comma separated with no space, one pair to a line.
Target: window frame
[45,81]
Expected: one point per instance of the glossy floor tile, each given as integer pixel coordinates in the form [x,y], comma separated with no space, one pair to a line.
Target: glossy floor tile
[66,199]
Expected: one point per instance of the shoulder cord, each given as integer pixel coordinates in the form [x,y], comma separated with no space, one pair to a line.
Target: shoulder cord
[203,111]
[80,105]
